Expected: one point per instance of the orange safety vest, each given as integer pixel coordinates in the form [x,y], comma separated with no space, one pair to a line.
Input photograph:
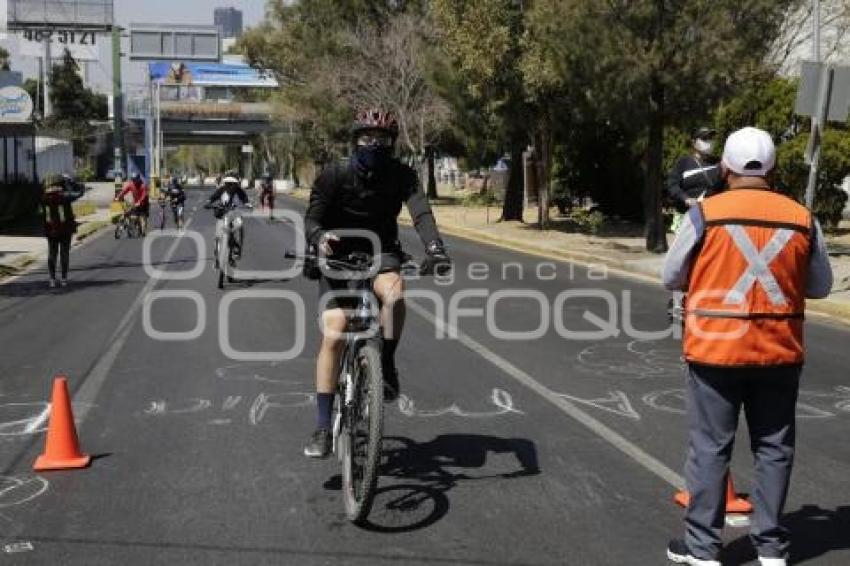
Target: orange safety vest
[746,292]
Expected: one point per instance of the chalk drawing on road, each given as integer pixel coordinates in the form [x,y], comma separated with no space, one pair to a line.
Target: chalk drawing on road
[17,547]
[636,359]
[22,419]
[266,373]
[674,401]
[257,411]
[17,490]
[668,401]
[501,400]
[265,401]
[616,402]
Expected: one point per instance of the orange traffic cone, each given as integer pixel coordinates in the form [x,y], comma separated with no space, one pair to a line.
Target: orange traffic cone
[734,503]
[62,449]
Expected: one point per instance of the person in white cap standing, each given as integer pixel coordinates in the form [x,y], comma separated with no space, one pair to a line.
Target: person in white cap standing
[748,258]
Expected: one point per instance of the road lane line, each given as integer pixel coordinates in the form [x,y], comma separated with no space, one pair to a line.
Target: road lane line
[39,421]
[96,377]
[630,449]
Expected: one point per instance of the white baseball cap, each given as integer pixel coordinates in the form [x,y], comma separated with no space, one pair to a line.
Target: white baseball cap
[749,152]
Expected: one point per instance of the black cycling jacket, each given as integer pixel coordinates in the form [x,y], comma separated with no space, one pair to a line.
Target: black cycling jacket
[691,177]
[341,199]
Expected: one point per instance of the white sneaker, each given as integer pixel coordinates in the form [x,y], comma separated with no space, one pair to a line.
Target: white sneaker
[772,561]
[52,283]
[678,553]
[64,282]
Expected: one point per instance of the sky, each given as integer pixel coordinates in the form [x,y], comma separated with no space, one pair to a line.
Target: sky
[199,12]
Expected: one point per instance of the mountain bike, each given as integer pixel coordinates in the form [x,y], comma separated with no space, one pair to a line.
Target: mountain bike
[229,240]
[128,225]
[359,409]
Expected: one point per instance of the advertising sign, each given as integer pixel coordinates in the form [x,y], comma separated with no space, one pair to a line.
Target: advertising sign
[65,14]
[81,44]
[211,74]
[15,105]
[153,42]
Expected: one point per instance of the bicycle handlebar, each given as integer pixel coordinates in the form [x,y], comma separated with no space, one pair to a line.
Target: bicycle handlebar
[355,261]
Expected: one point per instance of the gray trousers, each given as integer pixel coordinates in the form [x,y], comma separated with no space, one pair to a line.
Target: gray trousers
[715,397]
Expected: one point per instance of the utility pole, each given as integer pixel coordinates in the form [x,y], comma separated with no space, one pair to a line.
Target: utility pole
[820,111]
[117,101]
[48,67]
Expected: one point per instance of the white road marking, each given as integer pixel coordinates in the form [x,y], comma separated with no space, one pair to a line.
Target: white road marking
[39,421]
[630,449]
[94,380]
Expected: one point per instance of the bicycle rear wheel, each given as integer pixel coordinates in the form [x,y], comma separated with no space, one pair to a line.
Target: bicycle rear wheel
[134,228]
[362,433]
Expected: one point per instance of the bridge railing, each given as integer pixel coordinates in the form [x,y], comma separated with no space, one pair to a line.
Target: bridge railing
[139,108]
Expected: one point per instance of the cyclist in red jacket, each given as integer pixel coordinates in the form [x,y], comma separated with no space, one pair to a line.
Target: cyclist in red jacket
[137,187]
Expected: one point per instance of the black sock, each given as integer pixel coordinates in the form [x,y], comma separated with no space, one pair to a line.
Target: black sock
[388,353]
[325,404]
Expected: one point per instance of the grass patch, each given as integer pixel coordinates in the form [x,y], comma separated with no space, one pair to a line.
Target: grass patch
[89,228]
[83,208]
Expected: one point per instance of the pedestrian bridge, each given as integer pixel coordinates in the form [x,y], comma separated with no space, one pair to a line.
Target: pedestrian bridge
[205,122]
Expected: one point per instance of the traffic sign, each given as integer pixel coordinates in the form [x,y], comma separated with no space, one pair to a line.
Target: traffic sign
[831,81]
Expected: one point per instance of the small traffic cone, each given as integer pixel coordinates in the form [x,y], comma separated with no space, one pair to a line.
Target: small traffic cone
[735,503]
[62,449]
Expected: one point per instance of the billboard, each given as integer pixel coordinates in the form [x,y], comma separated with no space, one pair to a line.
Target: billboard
[211,74]
[151,42]
[60,14]
[81,44]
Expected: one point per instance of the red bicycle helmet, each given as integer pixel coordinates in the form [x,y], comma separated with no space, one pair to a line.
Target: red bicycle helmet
[375,119]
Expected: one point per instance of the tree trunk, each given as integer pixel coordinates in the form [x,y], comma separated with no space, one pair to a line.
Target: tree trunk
[431,181]
[656,237]
[512,209]
[545,168]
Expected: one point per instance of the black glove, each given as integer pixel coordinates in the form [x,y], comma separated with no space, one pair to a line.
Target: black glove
[312,271]
[437,261]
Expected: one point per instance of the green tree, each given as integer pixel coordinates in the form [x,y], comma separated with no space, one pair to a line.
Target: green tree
[481,77]
[369,53]
[74,106]
[646,65]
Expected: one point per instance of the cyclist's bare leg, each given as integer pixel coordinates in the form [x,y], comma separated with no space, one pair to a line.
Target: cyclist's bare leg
[389,289]
[334,322]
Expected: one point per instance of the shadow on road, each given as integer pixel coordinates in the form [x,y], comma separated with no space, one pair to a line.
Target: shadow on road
[814,532]
[430,470]
[37,288]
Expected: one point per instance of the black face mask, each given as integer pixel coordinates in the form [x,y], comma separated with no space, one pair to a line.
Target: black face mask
[368,159]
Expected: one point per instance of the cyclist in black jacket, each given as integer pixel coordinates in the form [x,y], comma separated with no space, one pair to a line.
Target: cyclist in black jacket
[697,174]
[366,193]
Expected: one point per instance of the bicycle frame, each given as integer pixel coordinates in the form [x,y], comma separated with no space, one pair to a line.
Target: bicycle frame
[359,321]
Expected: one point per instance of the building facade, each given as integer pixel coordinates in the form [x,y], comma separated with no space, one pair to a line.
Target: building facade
[229,20]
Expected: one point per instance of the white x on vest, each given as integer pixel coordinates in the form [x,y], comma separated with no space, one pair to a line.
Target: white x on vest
[758,269]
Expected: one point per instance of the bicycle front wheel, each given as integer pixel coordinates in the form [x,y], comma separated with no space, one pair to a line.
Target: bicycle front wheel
[362,433]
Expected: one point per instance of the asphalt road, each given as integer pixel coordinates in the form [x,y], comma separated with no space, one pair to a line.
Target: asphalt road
[556,448]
